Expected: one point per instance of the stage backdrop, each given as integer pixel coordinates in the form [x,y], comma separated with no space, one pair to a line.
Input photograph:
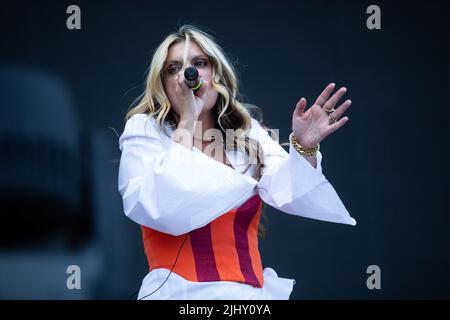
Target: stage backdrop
[389,164]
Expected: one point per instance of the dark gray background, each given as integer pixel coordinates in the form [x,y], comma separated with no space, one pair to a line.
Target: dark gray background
[389,164]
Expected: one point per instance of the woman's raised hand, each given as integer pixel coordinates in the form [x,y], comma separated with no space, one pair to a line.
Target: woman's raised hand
[311,126]
[191,103]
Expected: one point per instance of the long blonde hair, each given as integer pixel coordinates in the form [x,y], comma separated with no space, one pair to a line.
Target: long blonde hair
[229,111]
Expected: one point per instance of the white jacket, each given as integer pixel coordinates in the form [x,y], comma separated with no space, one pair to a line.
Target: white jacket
[172,189]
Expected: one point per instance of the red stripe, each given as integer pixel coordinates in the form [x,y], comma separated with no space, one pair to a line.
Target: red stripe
[205,263]
[244,216]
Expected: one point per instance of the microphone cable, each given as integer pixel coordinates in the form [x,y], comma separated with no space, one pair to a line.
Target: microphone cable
[167,278]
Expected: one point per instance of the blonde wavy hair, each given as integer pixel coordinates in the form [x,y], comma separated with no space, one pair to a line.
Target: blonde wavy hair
[230,113]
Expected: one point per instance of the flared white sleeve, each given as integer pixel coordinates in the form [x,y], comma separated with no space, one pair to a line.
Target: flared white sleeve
[292,185]
[167,187]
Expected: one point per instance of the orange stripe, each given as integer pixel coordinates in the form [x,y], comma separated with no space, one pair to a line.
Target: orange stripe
[227,260]
[149,252]
[162,249]
[252,235]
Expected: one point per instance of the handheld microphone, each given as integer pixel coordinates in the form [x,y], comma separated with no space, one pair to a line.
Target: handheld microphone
[192,79]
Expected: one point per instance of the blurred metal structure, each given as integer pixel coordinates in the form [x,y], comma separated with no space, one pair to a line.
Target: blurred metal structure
[58,197]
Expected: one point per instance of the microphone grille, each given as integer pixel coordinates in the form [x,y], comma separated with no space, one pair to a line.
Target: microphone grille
[191,73]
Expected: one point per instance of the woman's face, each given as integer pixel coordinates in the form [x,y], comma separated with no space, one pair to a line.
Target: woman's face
[174,65]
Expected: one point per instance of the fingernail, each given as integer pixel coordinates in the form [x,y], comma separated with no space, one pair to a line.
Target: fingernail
[349,101]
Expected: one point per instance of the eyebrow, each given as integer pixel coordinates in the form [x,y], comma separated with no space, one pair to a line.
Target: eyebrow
[194,58]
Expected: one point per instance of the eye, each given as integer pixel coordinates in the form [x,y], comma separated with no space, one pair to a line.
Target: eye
[201,63]
[172,69]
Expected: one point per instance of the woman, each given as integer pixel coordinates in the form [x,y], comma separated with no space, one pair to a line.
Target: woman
[196,168]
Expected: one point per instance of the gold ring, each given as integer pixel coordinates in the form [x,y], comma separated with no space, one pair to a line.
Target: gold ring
[329,111]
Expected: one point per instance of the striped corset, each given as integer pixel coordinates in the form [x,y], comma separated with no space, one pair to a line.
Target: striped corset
[226,249]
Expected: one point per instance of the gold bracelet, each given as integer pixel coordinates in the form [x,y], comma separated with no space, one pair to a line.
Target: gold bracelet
[302,150]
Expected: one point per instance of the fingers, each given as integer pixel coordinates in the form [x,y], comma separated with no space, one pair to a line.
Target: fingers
[182,88]
[342,108]
[180,82]
[330,104]
[200,93]
[300,107]
[335,98]
[322,99]
[333,127]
